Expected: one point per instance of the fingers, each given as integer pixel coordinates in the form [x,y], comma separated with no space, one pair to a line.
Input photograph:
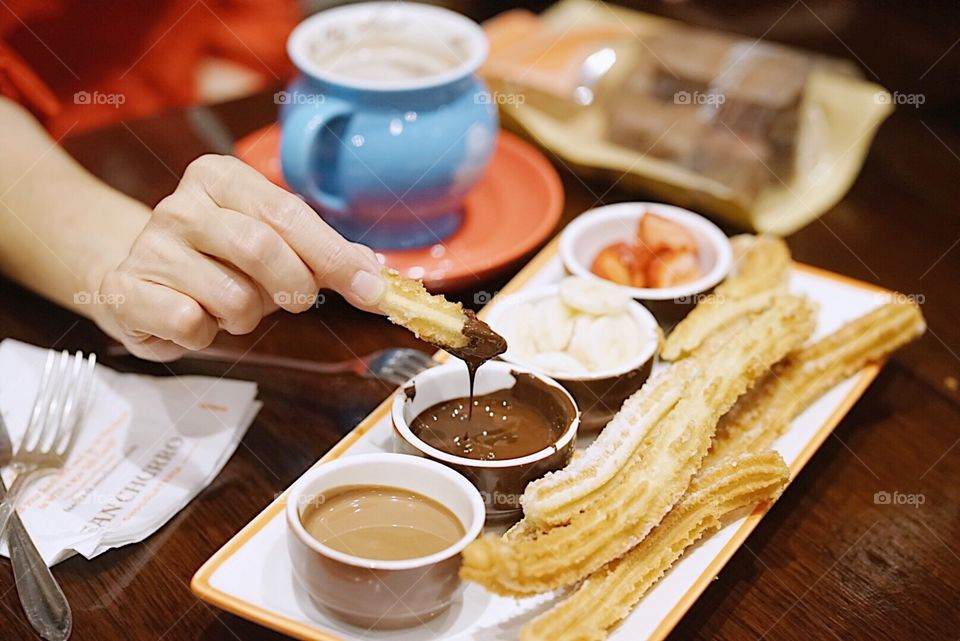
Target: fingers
[258,251]
[350,269]
[152,348]
[234,302]
[152,315]
[222,251]
[223,292]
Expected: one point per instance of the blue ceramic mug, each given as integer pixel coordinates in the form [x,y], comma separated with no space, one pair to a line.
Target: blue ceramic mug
[388,127]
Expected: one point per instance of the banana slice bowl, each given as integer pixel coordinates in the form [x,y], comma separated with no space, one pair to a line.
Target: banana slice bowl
[589,336]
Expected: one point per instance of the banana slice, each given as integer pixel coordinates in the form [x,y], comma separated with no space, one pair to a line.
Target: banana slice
[629,335]
[552,326]
[520,330]
[581,343]
[606,342]
[593,296]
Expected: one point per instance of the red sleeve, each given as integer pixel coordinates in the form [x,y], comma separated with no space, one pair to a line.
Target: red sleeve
[20,84]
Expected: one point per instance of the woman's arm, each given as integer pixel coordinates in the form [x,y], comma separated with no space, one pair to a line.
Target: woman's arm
[223,250]
[61,228]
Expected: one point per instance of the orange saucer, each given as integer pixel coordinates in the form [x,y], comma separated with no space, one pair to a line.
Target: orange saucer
[514,208]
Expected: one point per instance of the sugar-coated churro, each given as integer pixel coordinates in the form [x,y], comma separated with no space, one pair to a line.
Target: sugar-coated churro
[709,316]
[762,415]
[432,318]
[618,443]
[589,528]
[760,264]
[436,320]
[762,270]
[734,474]
[555,498]
[609,595]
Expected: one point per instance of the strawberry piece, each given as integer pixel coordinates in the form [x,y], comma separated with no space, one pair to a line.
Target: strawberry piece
[639,279]
[642,257]
[672,268]
[616,262]
[660,234]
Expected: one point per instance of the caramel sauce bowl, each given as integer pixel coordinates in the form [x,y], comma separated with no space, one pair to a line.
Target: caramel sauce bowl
[381,594]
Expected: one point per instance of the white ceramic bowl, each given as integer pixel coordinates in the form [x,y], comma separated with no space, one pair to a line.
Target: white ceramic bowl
[498,315]
[381,593]
[501,481]
[600,393]
[595,229]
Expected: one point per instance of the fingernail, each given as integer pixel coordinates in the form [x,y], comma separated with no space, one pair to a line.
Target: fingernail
[367,287]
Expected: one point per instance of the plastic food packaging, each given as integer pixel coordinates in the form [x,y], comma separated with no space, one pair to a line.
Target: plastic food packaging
[765,136]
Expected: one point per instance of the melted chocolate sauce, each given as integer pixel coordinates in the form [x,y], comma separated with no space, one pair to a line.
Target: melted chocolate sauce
[509,423]
[483,344]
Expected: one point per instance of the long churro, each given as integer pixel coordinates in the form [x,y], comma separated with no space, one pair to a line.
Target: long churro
[763,413]
[619,442]
[762,270]
[610,594]
[734,474]
[600,524]
[555,498]
[438,321]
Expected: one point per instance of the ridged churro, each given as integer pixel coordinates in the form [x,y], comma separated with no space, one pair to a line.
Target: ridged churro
[761,270]
[433,318]
[619,442]
[609,595]
[763,413]
[588,526]
[760,264]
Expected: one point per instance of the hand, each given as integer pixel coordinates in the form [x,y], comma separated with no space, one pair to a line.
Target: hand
[225,249]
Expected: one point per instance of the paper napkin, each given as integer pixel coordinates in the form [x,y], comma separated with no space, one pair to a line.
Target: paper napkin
[147,446]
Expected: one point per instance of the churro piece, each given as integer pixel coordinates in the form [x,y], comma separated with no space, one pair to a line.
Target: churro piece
[619,442]
[764,413]
[760,264]
[761,270]
[557,497]
[709,316]
[432,318]
[599,525]
[609,595]
[438,321]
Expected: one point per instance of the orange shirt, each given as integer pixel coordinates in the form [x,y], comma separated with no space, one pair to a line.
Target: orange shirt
[77,64]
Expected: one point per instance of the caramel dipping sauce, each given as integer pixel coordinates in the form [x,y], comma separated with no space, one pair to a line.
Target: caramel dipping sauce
[408,517]
[381,522]
[505,424]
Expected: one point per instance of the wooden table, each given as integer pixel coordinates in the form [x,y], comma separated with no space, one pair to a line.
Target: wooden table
[827,562]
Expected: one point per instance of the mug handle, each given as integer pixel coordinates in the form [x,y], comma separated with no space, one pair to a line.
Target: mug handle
[299,134]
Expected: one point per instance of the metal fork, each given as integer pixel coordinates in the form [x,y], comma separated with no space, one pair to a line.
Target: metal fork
[57,411]
[44,603]
[395,365]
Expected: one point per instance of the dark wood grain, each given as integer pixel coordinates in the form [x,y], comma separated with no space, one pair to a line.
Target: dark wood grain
[827,562]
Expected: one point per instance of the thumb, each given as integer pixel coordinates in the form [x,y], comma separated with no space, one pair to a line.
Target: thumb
[352,270]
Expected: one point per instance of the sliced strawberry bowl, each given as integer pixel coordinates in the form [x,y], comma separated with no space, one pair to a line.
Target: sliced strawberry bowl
[667,257]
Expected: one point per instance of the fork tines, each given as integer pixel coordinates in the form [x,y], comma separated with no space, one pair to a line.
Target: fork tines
[62,399]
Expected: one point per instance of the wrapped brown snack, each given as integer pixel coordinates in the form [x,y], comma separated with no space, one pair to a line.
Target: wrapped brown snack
[762,135]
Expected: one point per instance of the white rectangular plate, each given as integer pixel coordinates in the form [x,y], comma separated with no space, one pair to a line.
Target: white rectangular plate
[251,576]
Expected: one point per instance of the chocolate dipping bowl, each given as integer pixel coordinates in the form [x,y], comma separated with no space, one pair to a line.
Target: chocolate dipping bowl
[374,593]
[500,481]
[595,229]
[600,393]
